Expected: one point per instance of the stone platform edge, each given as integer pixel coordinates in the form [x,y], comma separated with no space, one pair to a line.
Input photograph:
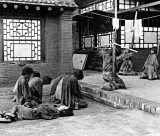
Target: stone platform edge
[112,98]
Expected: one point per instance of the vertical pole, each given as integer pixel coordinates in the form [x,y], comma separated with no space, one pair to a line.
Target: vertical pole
[80,35]
[114,41]
[95,33]
[135,18]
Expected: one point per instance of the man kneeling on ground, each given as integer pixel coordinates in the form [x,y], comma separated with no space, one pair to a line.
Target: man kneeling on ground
[66,90]
[36,86]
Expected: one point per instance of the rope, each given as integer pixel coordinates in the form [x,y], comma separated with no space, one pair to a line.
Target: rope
[125,19]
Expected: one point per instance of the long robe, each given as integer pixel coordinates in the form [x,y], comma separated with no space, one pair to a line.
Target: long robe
[23,112]
[70,90]
[54,84]
[43,111]
[58,92]
[21,89]
[150,67]
[36,88]
[126,67]
[111,84]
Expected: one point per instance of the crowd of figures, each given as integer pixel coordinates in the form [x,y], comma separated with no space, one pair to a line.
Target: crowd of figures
[124,66]
[65,92]
[64,96]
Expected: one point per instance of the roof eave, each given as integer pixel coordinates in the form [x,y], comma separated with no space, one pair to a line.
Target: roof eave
[74,6]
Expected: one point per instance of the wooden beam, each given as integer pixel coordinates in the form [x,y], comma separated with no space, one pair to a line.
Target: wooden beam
[140,7]
[87,3]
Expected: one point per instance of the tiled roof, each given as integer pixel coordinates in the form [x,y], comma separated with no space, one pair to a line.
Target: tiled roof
[65,3]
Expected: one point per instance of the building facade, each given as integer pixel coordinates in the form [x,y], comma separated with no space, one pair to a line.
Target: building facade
[95,27]
[35,33]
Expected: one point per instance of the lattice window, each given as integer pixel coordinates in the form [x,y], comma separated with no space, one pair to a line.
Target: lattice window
[150,37]
[105,39]
[104,6]
[21,39]
[87,41]
[126,4]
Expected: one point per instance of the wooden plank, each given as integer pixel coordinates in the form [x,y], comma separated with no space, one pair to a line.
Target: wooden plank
[85,3]
[140,7]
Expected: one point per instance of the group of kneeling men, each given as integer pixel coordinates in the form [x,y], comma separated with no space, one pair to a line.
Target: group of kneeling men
[64,96]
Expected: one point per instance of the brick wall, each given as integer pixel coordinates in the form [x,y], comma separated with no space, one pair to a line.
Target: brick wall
[66,47]
[94,61]
[57,44]
[75,36]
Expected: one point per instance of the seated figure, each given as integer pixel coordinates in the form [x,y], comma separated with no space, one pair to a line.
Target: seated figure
[36,86]
[66,89]
[150,66]
[126,67]
[112,83]
[21,87]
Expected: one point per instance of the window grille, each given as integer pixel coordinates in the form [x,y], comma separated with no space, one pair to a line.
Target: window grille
[150,37]
[21,39]
[104,6]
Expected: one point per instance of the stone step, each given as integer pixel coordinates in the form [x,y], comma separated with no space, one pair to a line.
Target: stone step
[113,98]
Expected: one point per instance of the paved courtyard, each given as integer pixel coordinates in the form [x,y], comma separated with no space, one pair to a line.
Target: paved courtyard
[96,120]
[142,88]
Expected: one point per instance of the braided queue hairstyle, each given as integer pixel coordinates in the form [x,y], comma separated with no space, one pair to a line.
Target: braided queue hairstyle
[78,74]
[36,74]
[154,49]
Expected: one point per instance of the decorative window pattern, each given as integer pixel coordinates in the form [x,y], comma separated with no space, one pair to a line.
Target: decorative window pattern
[150,38]
[104,39]
[126,4]
[87,9]
[21,39]
[104,6]
[87,42]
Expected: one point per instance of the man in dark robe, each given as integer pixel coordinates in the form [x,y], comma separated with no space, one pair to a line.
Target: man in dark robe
[54,83]
[126,67]
[36,86]
[21,87]
[112,83]
[70,89]
[151,65]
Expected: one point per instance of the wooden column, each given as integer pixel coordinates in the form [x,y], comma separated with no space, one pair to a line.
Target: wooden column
[114,46]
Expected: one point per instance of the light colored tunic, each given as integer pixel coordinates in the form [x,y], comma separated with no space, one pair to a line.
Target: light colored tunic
[21,89]
[58,92]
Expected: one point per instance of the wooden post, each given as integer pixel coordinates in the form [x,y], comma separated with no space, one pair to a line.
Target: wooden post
[114,46]
[135,18]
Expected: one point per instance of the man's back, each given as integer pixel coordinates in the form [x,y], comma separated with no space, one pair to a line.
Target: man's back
[36,87]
